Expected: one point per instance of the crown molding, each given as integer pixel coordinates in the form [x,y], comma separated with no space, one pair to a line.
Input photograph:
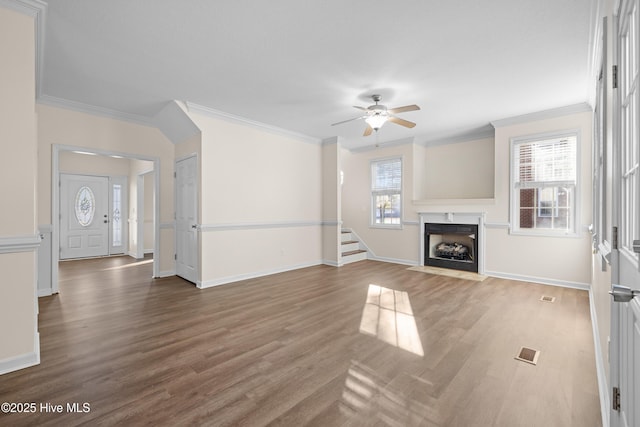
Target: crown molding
[484,132]
[93,110]
[394,143]
[553,113]
[216,114]
[38,11]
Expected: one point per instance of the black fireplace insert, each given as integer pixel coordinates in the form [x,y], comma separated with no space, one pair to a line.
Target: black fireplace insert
[452,246]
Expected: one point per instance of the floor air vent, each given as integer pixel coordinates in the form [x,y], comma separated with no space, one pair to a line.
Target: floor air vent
[546,298]
[528,355]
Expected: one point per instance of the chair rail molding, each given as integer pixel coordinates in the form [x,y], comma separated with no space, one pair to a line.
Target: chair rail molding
[12,244]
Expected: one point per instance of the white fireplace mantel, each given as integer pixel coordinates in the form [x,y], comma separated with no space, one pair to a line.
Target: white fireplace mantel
[455,218]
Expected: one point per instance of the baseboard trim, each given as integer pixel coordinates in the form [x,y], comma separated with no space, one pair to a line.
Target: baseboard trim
[540,280]
[332,263]
[393,260]
[45,292]
[232,279]
[603,388]
[23,361]
[167,273]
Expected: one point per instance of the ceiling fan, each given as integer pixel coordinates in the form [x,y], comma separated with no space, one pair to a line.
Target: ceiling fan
[377,115]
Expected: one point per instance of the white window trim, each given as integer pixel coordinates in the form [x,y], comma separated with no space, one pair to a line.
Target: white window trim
[372,208]
[514,223]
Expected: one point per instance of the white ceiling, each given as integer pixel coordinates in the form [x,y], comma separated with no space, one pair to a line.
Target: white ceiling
[301,65]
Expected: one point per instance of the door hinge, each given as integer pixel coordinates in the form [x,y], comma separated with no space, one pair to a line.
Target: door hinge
[615,399]
[175,174]
[614,76]
[614,237]
[175,257]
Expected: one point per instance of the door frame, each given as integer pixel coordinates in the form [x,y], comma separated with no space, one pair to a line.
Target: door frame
[140,214]
[55,203]
[618,256]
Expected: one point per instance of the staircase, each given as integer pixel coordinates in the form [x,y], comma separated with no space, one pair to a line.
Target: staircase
[351,248]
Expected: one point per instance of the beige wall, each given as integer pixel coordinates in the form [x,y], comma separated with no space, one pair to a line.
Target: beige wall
[565,261]
[562,259]
[331,215]
[401,245]
[458,171]
[18,172]
[83,164]
[261,202]
[70,128]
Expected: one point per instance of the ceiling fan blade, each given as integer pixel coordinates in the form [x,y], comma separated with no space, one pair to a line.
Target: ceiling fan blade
[401,122]
[360,108]
[403,109]
[368,131]
[346,121]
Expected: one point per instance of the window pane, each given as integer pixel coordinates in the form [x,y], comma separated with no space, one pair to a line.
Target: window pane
[387,208]
[85,206]
[116,217]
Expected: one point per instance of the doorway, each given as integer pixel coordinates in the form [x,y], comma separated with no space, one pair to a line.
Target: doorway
[117,188]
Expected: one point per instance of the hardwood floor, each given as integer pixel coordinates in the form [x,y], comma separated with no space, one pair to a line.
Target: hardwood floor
[369,343]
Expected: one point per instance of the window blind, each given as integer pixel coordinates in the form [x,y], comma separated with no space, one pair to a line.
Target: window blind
[550,163]
[386,175]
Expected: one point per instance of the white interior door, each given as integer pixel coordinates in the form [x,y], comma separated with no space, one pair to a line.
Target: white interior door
[187,219]
[84,216]
[625,361]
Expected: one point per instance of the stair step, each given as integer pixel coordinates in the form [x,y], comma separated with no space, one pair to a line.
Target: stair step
[348,242]
[357,251]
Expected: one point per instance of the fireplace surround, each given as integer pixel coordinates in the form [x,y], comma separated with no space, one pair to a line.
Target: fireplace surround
[452,240]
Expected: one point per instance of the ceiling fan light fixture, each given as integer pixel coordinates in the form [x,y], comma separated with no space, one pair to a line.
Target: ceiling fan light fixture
[376,120]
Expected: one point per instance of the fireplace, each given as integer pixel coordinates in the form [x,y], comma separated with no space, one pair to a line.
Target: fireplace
[451,246]
[453,240]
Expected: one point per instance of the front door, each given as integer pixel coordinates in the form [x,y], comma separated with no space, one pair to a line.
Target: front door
[625,316]
[84,216]
[187,219]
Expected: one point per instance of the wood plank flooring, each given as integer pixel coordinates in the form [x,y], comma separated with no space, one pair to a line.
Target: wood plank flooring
[369,344]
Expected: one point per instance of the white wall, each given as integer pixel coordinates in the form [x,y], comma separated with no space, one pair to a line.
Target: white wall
[260,200]
[19,239]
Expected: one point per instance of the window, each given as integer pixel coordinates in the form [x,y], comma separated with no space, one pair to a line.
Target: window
[85,206]
[544,181]
[116,216]
[386,192]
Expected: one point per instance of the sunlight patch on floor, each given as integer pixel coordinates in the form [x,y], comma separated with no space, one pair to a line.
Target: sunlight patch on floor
[134,264]
[387,315]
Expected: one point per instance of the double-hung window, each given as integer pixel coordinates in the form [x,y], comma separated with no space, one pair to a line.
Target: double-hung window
[544,184]
[386,192]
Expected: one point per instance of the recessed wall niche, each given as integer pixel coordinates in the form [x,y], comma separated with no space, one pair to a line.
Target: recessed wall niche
[464,170]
